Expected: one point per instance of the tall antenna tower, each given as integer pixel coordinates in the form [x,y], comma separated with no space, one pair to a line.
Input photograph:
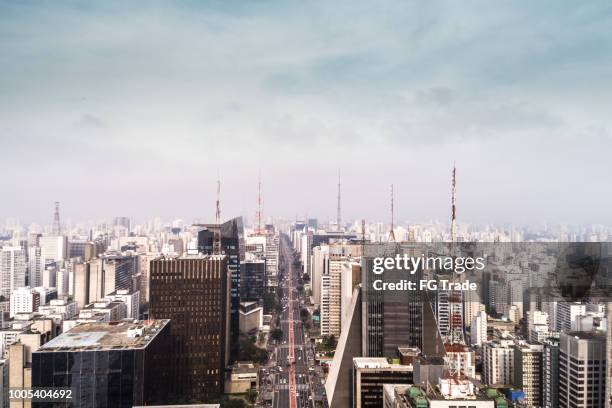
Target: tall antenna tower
[339,209]
[259,214]
[453,208]
[363,233]
[217,235]
[392,226]
[57,229]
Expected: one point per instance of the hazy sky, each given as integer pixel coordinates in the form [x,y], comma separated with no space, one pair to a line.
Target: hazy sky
[124,109]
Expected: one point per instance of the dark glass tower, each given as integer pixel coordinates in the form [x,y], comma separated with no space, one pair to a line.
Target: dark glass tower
[231,243]
[107,365]
[193,291]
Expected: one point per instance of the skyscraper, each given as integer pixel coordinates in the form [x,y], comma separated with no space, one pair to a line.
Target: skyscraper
[232,237]
[393,319]
[528,372]
[36,265]
[550,373]
[194,292]
[12,270]
[582,369]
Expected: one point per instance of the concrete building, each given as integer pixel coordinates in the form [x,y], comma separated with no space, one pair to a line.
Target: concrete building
[24,300]
[478,329]
[582,370]
[369,375]
[55,247]
[320,266]
[36,265]
[59,309]
[13,270]
[331,300]
[251,317]
[448,393]
[338,385]
[112,311]
[242,378]
[498,362]
[566,315]
[528,368]
[131,300]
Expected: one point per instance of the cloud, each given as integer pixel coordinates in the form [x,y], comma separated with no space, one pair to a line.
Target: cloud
[89,121]
[170,92]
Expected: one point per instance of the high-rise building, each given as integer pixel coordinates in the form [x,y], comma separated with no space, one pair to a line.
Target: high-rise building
[232,238]
[566,315]
[498,362]
[393,319]
[131,300]
[109,365]
[13,270]
[252,279]
[550,373]
[320,266]
[55,247]
[194,292]
[369,376]
[24,300]
[331,297]
[36,265]
[582,370]
[99,277]
[478,329]
[609,355]
[528,372]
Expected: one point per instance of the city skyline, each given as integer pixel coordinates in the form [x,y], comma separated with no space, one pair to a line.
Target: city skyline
[107,106]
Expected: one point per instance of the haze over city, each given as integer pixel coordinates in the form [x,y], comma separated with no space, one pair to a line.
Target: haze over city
[134,109]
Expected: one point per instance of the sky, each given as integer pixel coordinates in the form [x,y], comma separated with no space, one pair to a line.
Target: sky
[118,108]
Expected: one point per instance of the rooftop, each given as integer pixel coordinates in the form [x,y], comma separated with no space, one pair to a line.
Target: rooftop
[106,336]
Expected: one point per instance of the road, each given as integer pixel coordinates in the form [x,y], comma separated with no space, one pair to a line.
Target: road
[295,382]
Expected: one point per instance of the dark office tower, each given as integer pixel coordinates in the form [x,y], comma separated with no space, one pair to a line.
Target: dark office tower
[107,365]
[393,319]
[550,373]
[231,241]
[253,280]
[193,291]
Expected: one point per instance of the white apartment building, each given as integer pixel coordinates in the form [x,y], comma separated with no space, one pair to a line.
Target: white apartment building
[13,270]
[36,265]
[24,300]
[55,247]
[566,315]
[131,300]
[478,329]
[498,362]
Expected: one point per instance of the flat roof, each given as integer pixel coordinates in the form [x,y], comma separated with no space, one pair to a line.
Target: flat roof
[370,362]
[105,336]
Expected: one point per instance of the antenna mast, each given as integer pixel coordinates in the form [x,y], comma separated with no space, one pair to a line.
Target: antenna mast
[392,227]
[259,206]
[339,209]
[453,209]
[217,237]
